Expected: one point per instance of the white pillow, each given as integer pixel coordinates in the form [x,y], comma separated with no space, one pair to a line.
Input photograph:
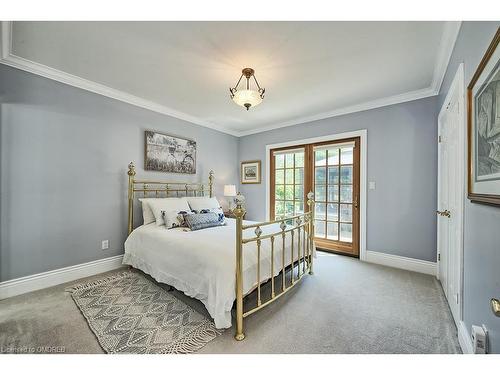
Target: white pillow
[200,203]
[167,204]
[147,214]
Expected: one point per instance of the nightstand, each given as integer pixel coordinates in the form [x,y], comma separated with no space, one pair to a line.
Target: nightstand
[230,214]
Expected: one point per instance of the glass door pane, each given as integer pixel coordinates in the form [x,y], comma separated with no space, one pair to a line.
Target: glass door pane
[288,183]
[333,187]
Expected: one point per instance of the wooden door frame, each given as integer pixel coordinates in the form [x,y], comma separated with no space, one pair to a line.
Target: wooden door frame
[363,136]
[457,87]
[343,247]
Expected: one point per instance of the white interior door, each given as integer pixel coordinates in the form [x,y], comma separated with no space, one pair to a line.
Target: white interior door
[450,202]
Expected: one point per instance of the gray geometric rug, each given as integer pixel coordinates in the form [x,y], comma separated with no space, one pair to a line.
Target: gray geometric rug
[130,314]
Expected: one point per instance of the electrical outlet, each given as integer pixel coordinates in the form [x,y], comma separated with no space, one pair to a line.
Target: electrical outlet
[479,338]
[371,185]
[104,244]
[487,338]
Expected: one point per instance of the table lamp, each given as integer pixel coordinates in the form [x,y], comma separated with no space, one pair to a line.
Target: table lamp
[230,191]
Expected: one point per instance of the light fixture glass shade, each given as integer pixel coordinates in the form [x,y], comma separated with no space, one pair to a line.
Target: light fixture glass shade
[247,98]
[229,190]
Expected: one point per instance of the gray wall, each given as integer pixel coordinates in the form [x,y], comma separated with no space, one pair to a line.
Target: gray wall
[402,160]
[482,223]
[64,155]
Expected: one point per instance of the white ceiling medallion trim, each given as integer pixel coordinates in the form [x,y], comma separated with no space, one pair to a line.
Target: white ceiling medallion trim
[447,44]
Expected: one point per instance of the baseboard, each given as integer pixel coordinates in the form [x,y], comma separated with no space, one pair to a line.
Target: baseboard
[47,279]
[397,261]
[464,339]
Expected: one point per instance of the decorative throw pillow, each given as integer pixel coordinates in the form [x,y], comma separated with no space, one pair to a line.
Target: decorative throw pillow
[217,211]
[167,204]
[174,219]
[202,221]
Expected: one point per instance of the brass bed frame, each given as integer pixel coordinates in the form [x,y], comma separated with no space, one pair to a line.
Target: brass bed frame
[302,225]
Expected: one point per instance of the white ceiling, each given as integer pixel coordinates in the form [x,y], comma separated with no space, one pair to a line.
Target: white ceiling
[310,70]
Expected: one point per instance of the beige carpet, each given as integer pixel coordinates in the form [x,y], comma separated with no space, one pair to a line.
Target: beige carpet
[348,306]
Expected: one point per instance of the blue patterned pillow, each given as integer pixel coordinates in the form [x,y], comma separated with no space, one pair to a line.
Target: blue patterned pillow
[203,220]
[217,211]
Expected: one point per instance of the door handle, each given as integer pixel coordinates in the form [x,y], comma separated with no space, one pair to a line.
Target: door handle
[355,202]
[495,306]
[445,213]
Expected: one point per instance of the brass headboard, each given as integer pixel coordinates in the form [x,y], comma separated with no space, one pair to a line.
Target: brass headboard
[163,189]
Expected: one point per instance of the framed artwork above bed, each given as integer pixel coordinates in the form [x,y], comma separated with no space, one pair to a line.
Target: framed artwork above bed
[166,153]
[483,118]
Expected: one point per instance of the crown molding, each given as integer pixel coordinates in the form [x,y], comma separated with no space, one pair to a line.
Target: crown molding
[378,103]
[8,58]
[447,44]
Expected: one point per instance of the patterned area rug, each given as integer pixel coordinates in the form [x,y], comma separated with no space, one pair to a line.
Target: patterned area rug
[130,314]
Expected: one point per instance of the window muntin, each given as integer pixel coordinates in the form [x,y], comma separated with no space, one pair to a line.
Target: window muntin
[288,183]
[333,187]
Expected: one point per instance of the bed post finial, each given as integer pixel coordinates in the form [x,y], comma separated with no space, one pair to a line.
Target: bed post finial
[239,212]
[211,183]
[131,175]
[131,169]
[310,203]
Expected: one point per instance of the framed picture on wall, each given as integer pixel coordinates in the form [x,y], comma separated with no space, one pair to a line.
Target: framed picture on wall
[483,119]
[166,153]
[250,172]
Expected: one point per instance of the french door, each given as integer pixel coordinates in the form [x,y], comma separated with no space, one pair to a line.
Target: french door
[331,170]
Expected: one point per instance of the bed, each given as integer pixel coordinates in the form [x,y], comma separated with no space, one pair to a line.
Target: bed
[220,265]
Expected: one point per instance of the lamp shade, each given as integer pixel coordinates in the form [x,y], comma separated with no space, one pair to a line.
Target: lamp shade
[229,190]
[247,98]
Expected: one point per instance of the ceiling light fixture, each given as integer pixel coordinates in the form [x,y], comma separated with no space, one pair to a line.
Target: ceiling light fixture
[246,97]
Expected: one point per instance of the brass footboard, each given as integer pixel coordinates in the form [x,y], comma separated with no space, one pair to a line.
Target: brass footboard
[298,229]
[301,263]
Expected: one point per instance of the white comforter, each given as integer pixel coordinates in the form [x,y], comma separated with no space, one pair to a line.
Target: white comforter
[202,263]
